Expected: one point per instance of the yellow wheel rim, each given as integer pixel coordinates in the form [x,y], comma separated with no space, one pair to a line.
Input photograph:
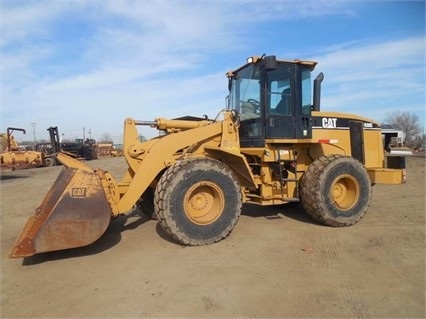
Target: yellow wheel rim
[204,203]
[345,192]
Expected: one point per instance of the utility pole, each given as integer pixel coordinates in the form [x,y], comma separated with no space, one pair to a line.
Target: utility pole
[34,132]
[84,134]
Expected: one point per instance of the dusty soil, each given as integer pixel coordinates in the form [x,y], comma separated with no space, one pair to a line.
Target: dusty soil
[276,262]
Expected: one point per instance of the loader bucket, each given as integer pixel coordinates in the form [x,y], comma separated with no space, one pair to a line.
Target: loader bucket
[74,213]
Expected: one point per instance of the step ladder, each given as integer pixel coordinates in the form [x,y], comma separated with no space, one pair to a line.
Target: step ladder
[283,181]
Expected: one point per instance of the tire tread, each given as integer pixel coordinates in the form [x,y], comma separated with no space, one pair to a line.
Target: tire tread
[169,181]
[311,192]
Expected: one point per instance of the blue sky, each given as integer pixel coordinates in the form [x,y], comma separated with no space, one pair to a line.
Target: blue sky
[91,64]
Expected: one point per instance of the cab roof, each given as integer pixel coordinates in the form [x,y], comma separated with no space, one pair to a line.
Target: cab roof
[256,58]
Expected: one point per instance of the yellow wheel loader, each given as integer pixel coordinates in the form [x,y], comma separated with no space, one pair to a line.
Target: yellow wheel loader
[196,176]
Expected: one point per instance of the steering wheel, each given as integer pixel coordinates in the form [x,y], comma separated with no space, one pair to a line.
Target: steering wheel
[256,104]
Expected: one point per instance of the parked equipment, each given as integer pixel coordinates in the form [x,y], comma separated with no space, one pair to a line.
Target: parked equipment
[13,157]
[196,176]
[82,150]
[108,149]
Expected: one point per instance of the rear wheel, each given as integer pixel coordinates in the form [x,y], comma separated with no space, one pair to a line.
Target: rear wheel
[336,190]
[198,201]
[146,203]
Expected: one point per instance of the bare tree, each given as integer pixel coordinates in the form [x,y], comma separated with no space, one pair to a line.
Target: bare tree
[408,122]
[106,137]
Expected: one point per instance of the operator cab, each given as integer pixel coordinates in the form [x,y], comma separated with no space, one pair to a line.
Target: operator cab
[273,99]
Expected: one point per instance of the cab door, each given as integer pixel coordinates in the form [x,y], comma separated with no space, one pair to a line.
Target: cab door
[285,93]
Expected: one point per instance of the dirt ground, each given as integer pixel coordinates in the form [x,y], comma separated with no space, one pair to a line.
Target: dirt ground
[276,262]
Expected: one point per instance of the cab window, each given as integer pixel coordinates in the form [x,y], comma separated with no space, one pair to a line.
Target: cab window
[280,93]
[306,92]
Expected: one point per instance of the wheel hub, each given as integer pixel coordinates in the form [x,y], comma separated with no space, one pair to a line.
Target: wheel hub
[204,203]
[345,192]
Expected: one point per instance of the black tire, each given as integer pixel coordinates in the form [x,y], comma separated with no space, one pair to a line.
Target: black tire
[198,201]
[146,203]
[336,190]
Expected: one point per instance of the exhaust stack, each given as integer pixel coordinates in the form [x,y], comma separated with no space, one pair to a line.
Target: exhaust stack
[317,91]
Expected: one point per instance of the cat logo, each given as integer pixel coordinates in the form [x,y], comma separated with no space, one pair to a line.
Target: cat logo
[78,192]
[329,122]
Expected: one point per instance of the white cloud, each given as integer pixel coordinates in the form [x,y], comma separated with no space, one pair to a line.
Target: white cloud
[375,79]
[22,20]
[147,59]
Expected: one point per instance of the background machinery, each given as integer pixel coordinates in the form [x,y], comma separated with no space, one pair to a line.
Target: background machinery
[196,176]
[14,157]
[80,149]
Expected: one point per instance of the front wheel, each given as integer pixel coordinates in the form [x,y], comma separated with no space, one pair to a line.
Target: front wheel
[336,190]
[198,201]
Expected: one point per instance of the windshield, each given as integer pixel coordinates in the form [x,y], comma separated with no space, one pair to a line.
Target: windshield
[245,91]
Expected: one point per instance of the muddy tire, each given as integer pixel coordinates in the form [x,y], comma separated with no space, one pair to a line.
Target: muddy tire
[198,201]
[336,190]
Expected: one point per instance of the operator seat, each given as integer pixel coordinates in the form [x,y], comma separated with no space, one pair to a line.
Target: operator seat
[284,106]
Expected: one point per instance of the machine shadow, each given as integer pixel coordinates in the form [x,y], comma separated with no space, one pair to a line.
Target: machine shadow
[109,239]
[165,236]
[5,177]
[291,210]
[112,235]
